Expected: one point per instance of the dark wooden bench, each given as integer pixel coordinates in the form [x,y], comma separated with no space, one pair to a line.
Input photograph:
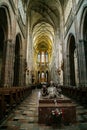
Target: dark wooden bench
[78,93]
[2,107]
[11,97]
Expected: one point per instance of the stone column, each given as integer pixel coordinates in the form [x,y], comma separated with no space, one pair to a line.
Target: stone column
[29,52]
[82,63]
[66,70]
[21,71]
[9,63]
[22,75]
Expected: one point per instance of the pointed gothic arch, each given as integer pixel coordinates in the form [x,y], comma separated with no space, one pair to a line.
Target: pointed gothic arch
[71,60]
[5,32]
[84,33]
[17,65]
[83,46]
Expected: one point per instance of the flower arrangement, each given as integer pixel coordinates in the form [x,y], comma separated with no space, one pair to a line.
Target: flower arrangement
[56,116]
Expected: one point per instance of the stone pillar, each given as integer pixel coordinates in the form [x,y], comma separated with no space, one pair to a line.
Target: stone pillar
[66,70]
[82,63]
[23,79]
[29,57]
[9,63]
[22,73]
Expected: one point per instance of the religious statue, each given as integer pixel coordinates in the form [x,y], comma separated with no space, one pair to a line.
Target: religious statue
[51,91]
[44,90]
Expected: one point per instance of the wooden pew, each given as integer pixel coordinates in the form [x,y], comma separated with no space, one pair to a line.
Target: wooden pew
[78,93]
[2,107]
[10,98]
[7,95]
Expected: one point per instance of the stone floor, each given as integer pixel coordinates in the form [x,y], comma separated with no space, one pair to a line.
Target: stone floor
[25,117]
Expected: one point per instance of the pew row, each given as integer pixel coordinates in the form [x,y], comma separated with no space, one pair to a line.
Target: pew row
[77,93]
[10,98]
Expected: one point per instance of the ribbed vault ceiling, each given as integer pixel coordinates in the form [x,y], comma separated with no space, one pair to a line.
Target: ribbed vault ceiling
[44,19]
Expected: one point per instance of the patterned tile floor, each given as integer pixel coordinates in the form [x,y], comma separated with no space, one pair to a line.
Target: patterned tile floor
[25,117]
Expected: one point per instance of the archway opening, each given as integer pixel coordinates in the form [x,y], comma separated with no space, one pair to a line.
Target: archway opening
[17,62]
[85,37]
[3,38]
[72,61]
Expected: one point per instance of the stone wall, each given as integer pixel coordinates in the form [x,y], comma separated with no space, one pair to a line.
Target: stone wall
[15,26]
[73,26]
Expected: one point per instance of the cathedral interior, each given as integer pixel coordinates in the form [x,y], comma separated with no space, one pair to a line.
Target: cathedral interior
[43,41]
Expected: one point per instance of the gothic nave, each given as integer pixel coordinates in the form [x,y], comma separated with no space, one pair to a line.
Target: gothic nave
[43,41]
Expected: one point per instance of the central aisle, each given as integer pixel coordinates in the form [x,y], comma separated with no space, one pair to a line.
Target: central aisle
[25,117]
